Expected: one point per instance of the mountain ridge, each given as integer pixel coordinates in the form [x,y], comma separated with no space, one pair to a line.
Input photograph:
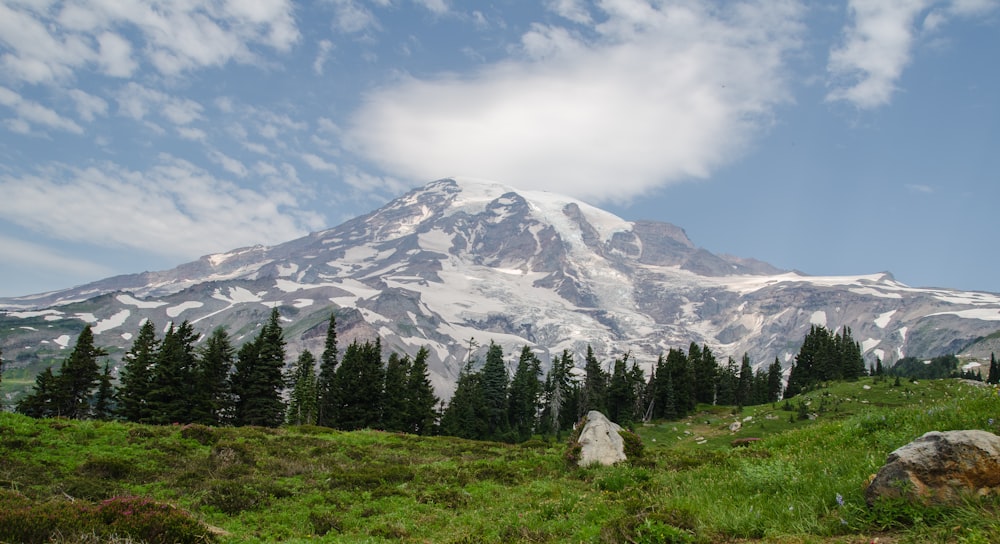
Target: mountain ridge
[465,258]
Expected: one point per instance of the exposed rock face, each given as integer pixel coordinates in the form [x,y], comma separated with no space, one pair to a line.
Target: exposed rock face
[941,467]
[600,442]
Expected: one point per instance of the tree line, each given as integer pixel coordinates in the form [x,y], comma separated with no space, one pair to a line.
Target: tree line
[168,380]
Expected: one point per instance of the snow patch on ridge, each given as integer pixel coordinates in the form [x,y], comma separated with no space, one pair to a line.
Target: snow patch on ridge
[128,300]
[175,311]
[112,322]
[818,318]
[883,319]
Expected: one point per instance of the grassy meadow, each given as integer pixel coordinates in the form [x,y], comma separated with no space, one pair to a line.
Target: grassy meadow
[803,481]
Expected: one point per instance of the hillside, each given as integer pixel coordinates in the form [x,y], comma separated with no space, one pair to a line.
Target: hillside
[312,484]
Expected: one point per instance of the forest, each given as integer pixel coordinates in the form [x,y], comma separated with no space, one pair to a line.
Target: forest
[169,380]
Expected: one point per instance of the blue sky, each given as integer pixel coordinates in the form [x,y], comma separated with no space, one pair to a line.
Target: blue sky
[831,138]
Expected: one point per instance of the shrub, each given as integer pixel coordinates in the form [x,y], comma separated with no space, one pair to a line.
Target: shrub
[202,434]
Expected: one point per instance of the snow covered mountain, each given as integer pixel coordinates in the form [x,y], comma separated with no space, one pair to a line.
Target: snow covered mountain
[461,258]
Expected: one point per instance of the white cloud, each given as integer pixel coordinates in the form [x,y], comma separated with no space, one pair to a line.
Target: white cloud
[353,18]
[660,93]
[136,101]
[319,164]
[878,45]
[324,46]
[88,105]
[438,7]
[174,209]
[47,44]
[30,112]
[574,10]
[116,55]
[193,134]
[228,163]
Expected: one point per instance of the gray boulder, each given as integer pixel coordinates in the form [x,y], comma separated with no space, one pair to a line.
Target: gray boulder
[940,467]
[600,442]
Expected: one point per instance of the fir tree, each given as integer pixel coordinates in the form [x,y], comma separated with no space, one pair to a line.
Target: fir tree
[358,387]
[257,381]
[621,394]
[171,396]
[494,389]
[705,370]
[136,375]
[40,402]
[420,413]
[78,377]
[729,379]
[327,403]
[774,381]
[557,395]
[525,391]
[302,405]
[465,415]
[994,375]
[213,392]
[104,400]
[396,403]
[595,385]
[744,387]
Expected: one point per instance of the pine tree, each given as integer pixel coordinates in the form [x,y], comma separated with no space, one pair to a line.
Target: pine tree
[40,402]
[558,394]
[136,375]
[729,379]
[744,387]
[396,403]
[104,400]
[359,386]
[705,370]
[774,381]
[302,400]
[494,387]
[621,394]
[465,415]
[525,391]
[326,415]
[213,393]
[78,376]
[173,381]
[420,414]
[257,381]
[682,378]
[994,375]
[595,385]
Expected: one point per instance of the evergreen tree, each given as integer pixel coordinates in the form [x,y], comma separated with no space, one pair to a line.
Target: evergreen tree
[525,391]
[40,402]
[774,381]
[78,376]
[104,401]
[136,375]
[302,400]
[729,379]
[595,385]
[173,381]
[420,414]
[558,395]
[464,416]
[358,387]
[327,373]
[744,387]
[682,378]
[213,393]
[257,381]
[494,389]
[705,370]
[397,402]
[994,375]
[621,394]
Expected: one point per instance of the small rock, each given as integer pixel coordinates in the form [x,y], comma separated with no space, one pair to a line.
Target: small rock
[735,426]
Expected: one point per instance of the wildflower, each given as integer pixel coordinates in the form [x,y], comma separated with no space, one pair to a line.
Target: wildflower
[840,499]
[991,421]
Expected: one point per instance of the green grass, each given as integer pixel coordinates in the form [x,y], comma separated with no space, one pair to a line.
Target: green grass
[313,484]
